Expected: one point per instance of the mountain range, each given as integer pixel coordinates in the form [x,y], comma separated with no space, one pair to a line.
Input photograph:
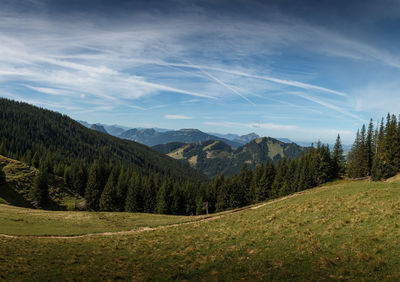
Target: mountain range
[155,136]
[214,157]
[151,137]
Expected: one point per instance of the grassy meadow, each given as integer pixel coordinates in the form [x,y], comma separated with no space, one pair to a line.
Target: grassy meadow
[340,231]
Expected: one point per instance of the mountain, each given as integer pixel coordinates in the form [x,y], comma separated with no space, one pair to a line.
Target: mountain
[151,137]
[246,138]
[229,136]
[114,130]
[84,123]
[98,127]
[286,140]
[216,157]
[26,130]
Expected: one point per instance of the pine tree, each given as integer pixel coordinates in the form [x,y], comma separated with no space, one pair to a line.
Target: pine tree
[390,165]
[257,187]
[122,189]
[3,150]
[199,205]
[67,177]
[244,194]
[35,160]
[150,193]
[369,153]
[163,197]
[222,197]
[108,200]
[280,175]
[355,156]
[2,176]
[338,160]
[288,185]
[177,205]
[95,184]
[322,164]
[132,204]
[79,178]
[39,192]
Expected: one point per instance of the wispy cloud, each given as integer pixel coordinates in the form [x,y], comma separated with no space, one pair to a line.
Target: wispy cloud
[285,130]
[177,117]
[326,104]
[216,65]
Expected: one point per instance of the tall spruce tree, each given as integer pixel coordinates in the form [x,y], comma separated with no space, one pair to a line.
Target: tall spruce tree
[354,160]
[163,197]
[35,160]
[133,202]
[2,176]
[281,170]
[338,159]
[108,199]
[96,181]
[3,150]
[122,189]
[39,192]
[368,149]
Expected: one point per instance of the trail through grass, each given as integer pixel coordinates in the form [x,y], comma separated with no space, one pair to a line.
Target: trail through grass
[342,231]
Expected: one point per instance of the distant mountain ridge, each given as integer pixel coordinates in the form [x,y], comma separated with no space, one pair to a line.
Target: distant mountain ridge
[98,127]
[216,157]
[154,136]
[151,137]
[246,138]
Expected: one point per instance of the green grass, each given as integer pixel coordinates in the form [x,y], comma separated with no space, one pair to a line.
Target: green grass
[22,221]
[341,231]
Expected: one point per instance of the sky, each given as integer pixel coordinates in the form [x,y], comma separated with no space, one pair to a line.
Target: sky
[304,70]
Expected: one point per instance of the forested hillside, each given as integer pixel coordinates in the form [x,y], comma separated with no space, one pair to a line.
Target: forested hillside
[215,157]
[28,133]
[120,175]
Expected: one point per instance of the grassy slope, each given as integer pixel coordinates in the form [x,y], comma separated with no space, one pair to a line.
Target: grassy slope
[23,221]
[344,230]
[20,179]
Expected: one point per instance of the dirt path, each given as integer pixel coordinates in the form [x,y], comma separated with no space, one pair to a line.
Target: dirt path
[146,229]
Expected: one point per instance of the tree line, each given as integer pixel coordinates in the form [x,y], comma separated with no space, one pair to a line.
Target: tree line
[112,187]
[118,175]
[376,150]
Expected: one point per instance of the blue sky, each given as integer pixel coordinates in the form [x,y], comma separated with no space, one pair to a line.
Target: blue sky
[304,70]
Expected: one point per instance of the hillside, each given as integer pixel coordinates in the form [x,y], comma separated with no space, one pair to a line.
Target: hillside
[98,127]
[27,129]
[340,231]
[246,138]
[151,137]
[20,178]
[215,157]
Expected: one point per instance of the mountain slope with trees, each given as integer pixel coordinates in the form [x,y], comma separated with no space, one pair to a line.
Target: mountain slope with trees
[215,157]
[30,133]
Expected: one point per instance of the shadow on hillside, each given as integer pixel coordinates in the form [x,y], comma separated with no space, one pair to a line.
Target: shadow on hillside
[12,197]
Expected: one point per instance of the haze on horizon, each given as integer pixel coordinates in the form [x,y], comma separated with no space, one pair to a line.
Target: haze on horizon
[304,70]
